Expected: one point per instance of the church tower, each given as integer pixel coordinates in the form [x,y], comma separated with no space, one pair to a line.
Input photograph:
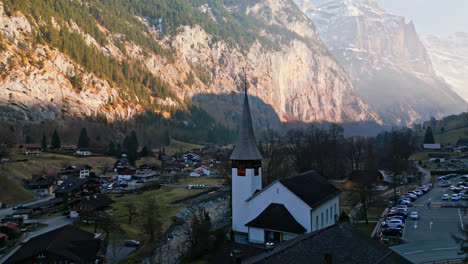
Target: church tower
[246,162]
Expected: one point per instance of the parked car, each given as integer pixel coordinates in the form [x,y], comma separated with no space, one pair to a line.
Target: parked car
[464,197]
[414,216]
[399,213]
[395,223]
[132,243]
[445,184]
[393,232]
[452,187]
[402,207]
[446,197]
[418,193]
[455,197]
[398,217]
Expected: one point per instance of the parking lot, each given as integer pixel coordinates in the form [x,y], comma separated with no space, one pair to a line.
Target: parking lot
[430,237]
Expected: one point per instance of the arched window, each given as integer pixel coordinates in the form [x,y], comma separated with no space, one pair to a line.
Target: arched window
[316,223]
[331,213]
[326,217]
[322,219]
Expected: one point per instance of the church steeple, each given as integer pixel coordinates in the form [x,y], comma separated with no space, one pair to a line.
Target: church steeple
[246,162]
[246,147]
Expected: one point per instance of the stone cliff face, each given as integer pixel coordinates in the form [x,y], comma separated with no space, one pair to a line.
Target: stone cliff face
[388,64]
[449,56]
[34,84]
[298,80]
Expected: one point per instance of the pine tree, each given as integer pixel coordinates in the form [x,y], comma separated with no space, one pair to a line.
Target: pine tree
[83,141]
[112,151]
[132,147]
[428,136]
[44,142]
[56,140]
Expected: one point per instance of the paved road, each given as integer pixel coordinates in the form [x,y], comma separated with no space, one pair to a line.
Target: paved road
[430,238]
[9,211]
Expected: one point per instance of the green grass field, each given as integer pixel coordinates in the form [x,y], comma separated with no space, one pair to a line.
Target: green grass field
[180,147]
[163,196]
[423,156]
[452,136]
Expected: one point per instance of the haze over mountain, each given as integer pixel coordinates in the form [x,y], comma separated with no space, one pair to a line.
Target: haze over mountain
[449,55]
[386,60]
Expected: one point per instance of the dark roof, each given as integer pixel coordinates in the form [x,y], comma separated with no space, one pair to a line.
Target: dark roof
[69,242]
[12,226]
[31,146]
[277,217]
[41,180]
[21,211]
[344,242]
[100,201]
[310,187]
[70,185]
[365,176]
[439,156]
[246,147]
[223,254]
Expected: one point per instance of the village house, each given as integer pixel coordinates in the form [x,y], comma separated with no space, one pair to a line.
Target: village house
[2,239]
[432,147]
[47,206]
[80,171]
[438,157]
[11,229]
[120,164]
[67,244]
[99,204]
[30,149]
[42,184]
[190,157]
[24,213]
[74,189]
[205,170]
[11,219]
[196,173]
[125,173]
[83,152]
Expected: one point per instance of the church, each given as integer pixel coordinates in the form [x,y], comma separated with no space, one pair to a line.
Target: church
[282,210]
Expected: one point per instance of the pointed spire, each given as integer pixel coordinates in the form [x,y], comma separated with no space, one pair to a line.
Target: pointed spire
[246,147]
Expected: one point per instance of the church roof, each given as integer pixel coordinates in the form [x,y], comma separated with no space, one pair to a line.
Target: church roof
[246,147]
[310,187]
[276,217]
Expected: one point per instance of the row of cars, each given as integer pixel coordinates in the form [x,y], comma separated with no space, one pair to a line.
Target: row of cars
[459,191]
[409,197]
[397,216]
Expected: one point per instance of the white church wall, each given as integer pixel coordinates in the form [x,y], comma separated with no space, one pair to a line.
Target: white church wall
[256,235]
[328,209]
[242,188]
[278,193]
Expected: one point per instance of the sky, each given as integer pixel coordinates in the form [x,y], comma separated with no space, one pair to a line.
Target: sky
[440,17]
